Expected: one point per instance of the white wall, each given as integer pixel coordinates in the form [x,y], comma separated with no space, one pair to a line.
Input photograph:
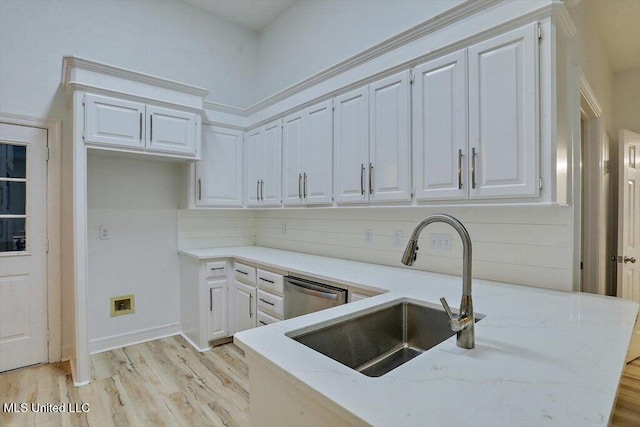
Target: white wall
[138,200]
[626,100]
[313,35]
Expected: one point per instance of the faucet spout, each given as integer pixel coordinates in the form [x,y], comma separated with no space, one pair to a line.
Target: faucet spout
[464,322]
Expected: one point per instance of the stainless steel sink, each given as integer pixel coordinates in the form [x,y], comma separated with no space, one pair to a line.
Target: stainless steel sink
[376,343]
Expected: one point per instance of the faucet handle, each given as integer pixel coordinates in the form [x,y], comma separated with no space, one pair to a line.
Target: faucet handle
[452,317]
[457,323]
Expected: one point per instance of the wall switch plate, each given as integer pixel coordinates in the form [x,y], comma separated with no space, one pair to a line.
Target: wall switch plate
[104,232]
[283,229]
[368,236]
[440,242]
[397,237]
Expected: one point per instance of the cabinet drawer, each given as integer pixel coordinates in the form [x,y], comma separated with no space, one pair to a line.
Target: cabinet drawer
[271,282]
[216,269]
[245,273]
[266,319]
[270,304]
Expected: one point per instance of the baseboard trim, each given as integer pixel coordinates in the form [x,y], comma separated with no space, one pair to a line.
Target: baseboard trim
[130,338]
[201,350]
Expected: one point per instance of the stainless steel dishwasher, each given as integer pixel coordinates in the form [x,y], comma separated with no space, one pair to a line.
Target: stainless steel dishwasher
[302,296]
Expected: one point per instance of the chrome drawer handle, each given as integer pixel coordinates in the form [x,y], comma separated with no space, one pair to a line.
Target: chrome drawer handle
[266,280]
[267,302]
[242,272]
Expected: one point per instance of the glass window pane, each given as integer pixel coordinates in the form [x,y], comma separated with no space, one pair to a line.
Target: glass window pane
[12,234]
[12,198]
[13,161]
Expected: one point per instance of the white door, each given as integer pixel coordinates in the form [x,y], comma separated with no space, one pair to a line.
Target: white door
[23,235]
[351,147]
[440,128]
[114,122]
[254,165]
[629,217]
[217,299]
[293,147]
[246,306]
[171,131]
[271,185]
[318,158]
[390,141]
[219,173]
[503,136]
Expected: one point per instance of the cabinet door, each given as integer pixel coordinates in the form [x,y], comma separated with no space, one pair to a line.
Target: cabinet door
[114,122]
[293,148]
[254,166]
[219,173]
[390,143]
[271,189]
[217,305]
[318,156]
[503,117]
[171,131]
[351,150]
[245,309]
[440,128]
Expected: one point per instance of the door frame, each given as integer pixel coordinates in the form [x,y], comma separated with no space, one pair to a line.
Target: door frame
[54,302]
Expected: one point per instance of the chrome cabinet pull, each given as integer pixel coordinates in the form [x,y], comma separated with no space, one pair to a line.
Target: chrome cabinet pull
[632,260]
[140,127]
[460,169]
[210,299]
[370,178]
[263,323]
[250,306]
[266,280]
[362,179]
[217,268]
[473,168]
[304,186]
[258,190]
[199,188]
[151,132]
[242,272]
[262,189]
[299,186]
[267,302]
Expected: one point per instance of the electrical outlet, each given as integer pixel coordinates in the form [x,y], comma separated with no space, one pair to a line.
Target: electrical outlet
[397,237]
[368,237]
[104,232]
[440,242]
[283,229]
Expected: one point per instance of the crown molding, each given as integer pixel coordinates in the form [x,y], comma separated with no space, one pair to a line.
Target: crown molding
[564,19]
[223,108]
[588,93]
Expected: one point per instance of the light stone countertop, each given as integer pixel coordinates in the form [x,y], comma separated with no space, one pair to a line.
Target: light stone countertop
[542,357]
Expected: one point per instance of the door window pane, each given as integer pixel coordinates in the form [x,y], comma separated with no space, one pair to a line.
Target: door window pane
[13,161]
[12,197]
[12,234]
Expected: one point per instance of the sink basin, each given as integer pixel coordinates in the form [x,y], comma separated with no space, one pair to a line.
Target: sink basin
[376,343]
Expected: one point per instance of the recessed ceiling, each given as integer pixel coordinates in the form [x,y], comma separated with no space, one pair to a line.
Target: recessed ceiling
[619,25]
[252,14]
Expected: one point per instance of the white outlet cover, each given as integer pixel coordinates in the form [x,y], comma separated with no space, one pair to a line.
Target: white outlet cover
[104,232]
[397,237]
[283,229]
[368,236]
[440,242]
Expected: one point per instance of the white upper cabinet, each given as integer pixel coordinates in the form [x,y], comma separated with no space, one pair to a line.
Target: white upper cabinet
[263,165]
[440,128]
[389,177]
[503,116]
[171,131]
[131,126]
[307,143]
[351,147]
[219,173]
[114,122]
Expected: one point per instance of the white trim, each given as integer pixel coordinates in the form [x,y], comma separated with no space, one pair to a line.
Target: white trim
[54,309]
[131,338]
[587,92]
[565,21]
[201,350]
[69,63]
[65,353]
[223,108]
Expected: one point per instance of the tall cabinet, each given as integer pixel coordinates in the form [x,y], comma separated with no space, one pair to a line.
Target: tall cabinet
[263,165]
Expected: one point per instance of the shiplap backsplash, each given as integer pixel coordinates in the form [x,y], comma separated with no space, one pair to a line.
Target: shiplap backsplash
[530,245]
[202,228]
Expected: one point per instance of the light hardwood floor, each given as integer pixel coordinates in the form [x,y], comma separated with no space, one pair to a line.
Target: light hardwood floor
[166,382]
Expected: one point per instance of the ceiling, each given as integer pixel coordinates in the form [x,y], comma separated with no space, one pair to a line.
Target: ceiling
[619,24]
[252,14]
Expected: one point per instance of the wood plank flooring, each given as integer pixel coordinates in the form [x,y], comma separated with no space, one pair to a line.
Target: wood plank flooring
[167,383]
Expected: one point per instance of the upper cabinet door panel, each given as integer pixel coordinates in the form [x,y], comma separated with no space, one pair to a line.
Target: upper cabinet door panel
[439,128]
[219,173]
[318,172]
[351,147]
[171,131]
[503,115]
[114,122]
[254,165]
[390,143]
[271,188]
[293,146]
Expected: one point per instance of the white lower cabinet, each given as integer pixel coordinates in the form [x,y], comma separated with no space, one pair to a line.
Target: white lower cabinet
[245,313]
[217,324]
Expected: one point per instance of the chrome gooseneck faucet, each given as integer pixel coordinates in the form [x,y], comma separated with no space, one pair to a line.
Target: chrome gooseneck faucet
[464,322]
